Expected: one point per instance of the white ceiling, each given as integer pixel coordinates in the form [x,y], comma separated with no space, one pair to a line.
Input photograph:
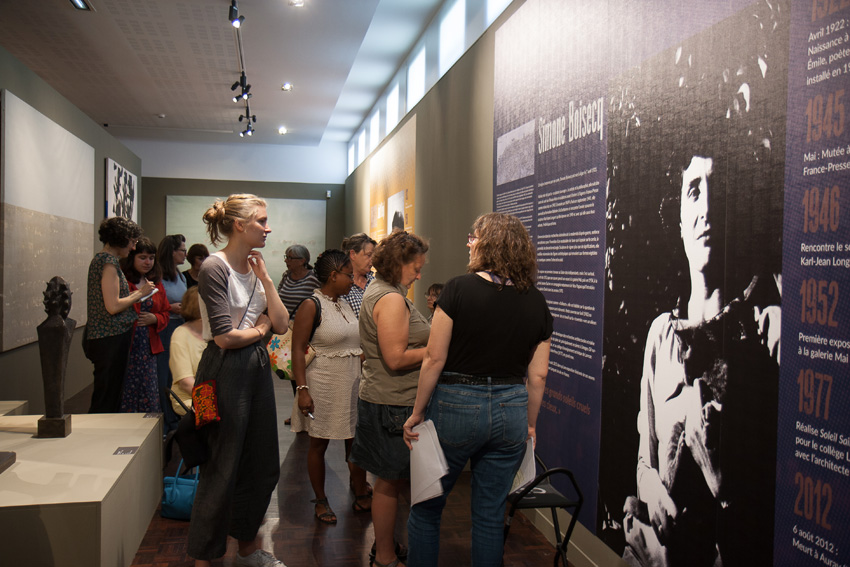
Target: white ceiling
[130,61]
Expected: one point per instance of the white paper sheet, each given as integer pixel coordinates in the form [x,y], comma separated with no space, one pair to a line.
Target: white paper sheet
[527,470]
[427,464]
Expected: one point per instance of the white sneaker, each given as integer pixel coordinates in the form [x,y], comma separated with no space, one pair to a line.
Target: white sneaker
[260,558]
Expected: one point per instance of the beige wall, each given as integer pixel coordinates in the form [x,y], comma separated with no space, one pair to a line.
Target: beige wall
[454,165]
[20,368]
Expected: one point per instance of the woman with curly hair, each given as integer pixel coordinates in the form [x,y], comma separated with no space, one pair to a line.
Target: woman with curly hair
[491,328]
[109,328]
[141,388]
[393,334]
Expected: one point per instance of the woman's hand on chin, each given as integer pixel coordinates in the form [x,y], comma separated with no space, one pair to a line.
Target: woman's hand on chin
[258,264]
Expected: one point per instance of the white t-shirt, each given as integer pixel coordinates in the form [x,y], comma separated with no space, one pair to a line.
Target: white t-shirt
[224,296]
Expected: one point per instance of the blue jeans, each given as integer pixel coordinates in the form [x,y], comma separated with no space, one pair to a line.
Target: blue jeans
[488,426]
[163,370]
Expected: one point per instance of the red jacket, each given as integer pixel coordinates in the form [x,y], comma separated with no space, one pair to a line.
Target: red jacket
[161,309]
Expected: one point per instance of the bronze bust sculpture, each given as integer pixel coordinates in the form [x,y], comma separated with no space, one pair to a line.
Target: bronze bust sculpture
[54,341]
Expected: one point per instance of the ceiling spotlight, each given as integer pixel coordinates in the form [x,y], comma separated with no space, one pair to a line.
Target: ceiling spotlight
[249,131]
[286,87]
[282,130]
[233,15]
[244,95]
[296,3]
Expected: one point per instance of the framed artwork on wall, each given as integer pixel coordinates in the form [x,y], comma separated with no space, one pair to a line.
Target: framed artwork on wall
[122,192]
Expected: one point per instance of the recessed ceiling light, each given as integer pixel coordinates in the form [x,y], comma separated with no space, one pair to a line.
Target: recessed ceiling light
[81,5]
[296,3]
[286,87]
[282,130]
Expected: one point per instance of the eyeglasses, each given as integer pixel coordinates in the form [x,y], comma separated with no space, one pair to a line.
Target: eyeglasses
[181,250]
[347,274]
[292,258]
[471,238]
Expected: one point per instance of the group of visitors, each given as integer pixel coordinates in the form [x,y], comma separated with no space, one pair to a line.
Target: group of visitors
[380,367]
[135,291]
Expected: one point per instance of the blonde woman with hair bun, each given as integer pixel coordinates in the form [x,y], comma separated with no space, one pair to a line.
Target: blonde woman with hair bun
[239,306]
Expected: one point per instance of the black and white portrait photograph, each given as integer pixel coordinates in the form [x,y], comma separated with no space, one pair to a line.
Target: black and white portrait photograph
[693,297]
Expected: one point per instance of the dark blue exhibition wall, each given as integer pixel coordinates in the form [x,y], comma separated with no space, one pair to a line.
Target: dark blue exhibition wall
[682,167]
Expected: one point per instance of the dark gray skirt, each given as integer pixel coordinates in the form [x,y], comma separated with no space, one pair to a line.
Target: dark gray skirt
[378,442]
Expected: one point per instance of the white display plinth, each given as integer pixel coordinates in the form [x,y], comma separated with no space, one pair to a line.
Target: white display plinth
[13,407]
[72,501]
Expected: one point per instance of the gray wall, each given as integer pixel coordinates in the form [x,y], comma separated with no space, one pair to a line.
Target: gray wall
[20,378]
[157,189]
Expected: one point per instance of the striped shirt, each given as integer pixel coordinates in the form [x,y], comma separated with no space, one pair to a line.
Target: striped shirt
[293,292]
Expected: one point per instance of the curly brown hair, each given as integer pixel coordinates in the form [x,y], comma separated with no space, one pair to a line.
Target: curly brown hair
[504,248]
[396,250]
[118,231]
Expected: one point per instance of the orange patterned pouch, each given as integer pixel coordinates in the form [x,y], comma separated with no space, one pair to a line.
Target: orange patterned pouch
[205,404]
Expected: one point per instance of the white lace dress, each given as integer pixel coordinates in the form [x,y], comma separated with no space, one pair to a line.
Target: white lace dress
[334,375]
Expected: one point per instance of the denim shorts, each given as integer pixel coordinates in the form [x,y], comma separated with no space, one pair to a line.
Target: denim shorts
[378,442]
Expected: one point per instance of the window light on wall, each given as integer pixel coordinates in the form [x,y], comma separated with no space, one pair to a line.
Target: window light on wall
[416,79]
[452,28]
[361,147]
[392,108]
[374,131]
[495,8]
[351,164]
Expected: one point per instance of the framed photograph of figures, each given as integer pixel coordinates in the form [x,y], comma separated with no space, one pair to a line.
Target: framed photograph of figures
[122,191]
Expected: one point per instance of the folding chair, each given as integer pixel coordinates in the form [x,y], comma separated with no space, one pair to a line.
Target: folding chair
[540,493]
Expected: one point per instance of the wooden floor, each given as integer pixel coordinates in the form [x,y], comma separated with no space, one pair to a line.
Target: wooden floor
[294,536]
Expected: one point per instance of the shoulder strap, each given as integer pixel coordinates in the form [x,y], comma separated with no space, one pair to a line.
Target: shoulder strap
[317,319]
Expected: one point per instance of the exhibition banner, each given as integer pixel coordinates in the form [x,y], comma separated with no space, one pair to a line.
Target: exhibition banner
[669,159]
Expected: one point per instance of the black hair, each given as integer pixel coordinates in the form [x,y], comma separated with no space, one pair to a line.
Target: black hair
[196,251]
[329,261]
[128,264]
[165,255]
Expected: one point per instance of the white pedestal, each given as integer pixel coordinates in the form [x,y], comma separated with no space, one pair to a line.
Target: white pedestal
[73,501]
[13,407]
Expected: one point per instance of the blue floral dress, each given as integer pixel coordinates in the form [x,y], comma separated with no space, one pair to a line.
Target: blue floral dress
[141,390]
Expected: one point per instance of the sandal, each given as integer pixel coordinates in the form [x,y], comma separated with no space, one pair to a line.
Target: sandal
[368,488]
[358,507]
[400,551]
[328,516]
